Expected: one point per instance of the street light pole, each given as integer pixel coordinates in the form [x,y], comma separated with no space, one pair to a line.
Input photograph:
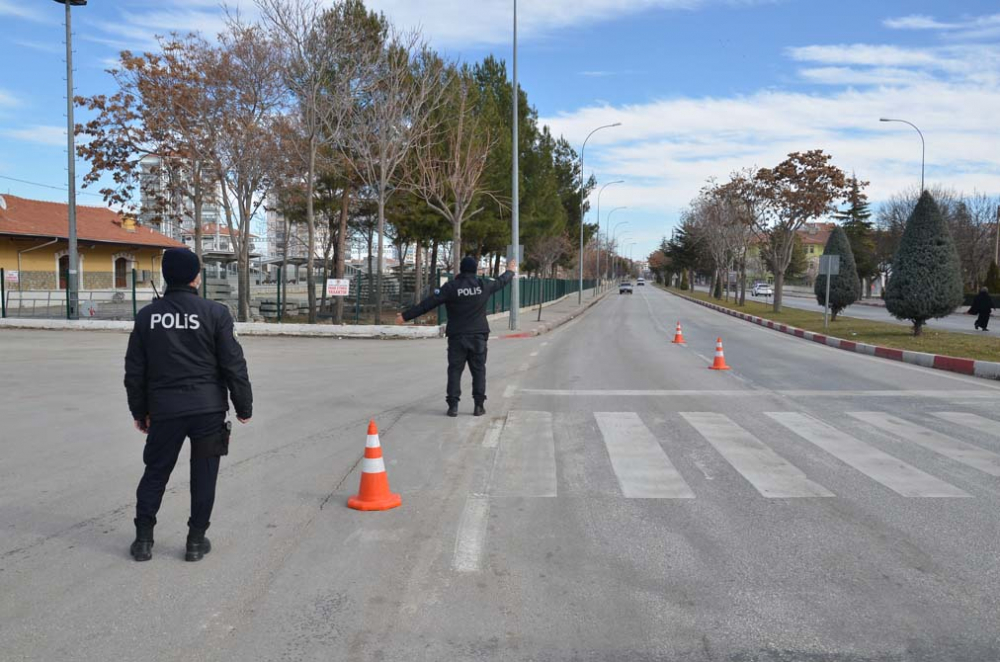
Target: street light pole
[619,257]
[611,245]
[618,181]
[923,146]
[72,278]
[611,213]
[579,298]
[515,231]
[631,265]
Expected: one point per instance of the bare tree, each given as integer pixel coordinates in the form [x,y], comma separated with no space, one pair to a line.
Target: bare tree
[545,252]
[389,121]
[449,160]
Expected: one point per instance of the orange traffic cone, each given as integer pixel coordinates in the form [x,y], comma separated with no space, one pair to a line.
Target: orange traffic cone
[678,336]
[374,493]
[720,358]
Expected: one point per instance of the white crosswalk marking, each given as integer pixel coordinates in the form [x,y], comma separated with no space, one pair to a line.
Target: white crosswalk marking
[768,472]
[974,421]
[895,474]
[526,464]
[953,449]
[644,471]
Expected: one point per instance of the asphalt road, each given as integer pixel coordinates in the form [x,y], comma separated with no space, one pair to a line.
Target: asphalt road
[619,502]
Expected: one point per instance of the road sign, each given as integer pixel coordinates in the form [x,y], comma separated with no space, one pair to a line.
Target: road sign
[829,264]
[338,287]
[520,253]
[12,277]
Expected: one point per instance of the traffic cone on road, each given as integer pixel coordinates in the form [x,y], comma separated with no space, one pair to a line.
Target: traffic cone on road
[374,492]
[678,336]
[720,357]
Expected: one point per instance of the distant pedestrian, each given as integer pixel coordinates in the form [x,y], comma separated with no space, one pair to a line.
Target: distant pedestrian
[182,359]
[983,306]
[468,330]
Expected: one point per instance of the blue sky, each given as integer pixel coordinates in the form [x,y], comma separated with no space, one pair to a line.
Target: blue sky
[702,87]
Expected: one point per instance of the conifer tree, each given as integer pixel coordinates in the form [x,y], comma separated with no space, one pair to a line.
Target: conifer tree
[845,287]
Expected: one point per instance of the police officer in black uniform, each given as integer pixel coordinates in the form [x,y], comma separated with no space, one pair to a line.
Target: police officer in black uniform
[182,358]
[468,330]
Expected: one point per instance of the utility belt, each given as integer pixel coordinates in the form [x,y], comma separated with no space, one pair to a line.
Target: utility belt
[213,445]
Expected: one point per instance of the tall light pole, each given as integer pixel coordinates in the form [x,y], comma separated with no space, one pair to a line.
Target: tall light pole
[72,278]
[631,265]
[579,298]
[611,213]
[617,181]
[612,243]
[923,146]
[620,256]
[515,231]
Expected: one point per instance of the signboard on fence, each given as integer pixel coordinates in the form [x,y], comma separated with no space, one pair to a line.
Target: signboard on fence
[12,277]
[338,287]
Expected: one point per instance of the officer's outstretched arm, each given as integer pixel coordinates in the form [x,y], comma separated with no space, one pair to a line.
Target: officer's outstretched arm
[135,377]
[233,365]
[500,283]
[440,296]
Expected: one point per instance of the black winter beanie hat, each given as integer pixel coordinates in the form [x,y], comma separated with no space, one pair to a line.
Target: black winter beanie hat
[180,266]
[469,265]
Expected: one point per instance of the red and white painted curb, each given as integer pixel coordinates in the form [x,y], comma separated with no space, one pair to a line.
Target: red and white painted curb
[983,369]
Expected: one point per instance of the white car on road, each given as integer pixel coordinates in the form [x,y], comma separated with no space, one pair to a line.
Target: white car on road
[762,290]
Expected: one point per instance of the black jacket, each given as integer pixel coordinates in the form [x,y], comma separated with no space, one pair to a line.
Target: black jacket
[982,304]
[182,356]
[465,299]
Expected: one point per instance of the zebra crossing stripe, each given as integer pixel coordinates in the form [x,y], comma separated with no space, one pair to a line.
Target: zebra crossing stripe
[526,464]
[974,421]
[643,470]
[883,468]
[953,449]
[772,476]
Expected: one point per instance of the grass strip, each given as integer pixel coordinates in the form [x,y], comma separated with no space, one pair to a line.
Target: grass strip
[960,345]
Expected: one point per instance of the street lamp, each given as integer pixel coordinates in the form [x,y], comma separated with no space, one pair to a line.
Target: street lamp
[923,146]
[515,232]
[611,213]
[579,298]
[620,256]
[72,278]
[617,181]
[611,245]
[631,265]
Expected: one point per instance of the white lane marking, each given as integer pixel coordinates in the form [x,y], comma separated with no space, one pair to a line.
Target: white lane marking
[526,460]
[945,395]
[492,437]
[898,476]
[471,537]
[974,421]
[545,343]
[509,391]
[533,354]
[524,366]
[953,449]
[643,470]
[772,475]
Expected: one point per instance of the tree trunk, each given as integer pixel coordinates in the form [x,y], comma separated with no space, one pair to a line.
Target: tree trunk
[311,226]
[456,245]
[434,261]
[918,327]
[496,266]
[417,285]
[284,266]
[198,203]
[743,282]
[779,282]
[339,258]
[381,251]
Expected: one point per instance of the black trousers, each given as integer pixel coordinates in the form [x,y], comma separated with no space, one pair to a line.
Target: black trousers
[469,349]
[984,320]
[163,445]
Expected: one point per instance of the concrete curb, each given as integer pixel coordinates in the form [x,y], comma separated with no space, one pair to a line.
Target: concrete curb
[550,326]
[383,331]
[971,367]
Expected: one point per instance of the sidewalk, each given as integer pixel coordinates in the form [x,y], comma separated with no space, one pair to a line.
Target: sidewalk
[554,315]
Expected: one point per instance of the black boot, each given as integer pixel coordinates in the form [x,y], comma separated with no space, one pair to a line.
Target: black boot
[142,546]
[480,410]
[197,545]
[453,409]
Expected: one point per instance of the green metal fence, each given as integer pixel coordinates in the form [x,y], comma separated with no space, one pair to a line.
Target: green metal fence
[532,292]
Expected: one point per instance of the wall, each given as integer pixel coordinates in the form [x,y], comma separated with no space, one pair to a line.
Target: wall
[38,268]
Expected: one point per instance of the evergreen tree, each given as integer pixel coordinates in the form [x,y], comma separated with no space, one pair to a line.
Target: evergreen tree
[860,230]
[684,280]
[845,287]
[926,279]
[993,278]
[717,293]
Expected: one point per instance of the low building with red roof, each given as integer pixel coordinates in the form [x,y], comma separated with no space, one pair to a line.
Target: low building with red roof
[34,243]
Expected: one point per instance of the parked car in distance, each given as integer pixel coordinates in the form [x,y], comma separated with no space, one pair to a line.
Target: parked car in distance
[762,290]
[640,283]
[625,287]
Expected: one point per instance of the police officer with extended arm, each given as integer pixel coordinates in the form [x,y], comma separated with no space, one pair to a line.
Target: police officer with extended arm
[182,359]
[468,330]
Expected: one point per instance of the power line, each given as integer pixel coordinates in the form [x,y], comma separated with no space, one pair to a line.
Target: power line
[57,188]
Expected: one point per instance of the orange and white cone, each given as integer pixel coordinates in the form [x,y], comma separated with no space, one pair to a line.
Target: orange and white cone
[678,336]
[374,492]
[720,357]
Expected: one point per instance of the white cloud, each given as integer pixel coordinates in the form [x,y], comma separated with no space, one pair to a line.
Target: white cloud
[20,9]
[917,22]
[8,100]
[54,48]
[979,27]
[872,76]
[39,134]
[866,55]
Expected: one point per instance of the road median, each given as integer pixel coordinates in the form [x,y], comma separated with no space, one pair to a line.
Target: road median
[954,352]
